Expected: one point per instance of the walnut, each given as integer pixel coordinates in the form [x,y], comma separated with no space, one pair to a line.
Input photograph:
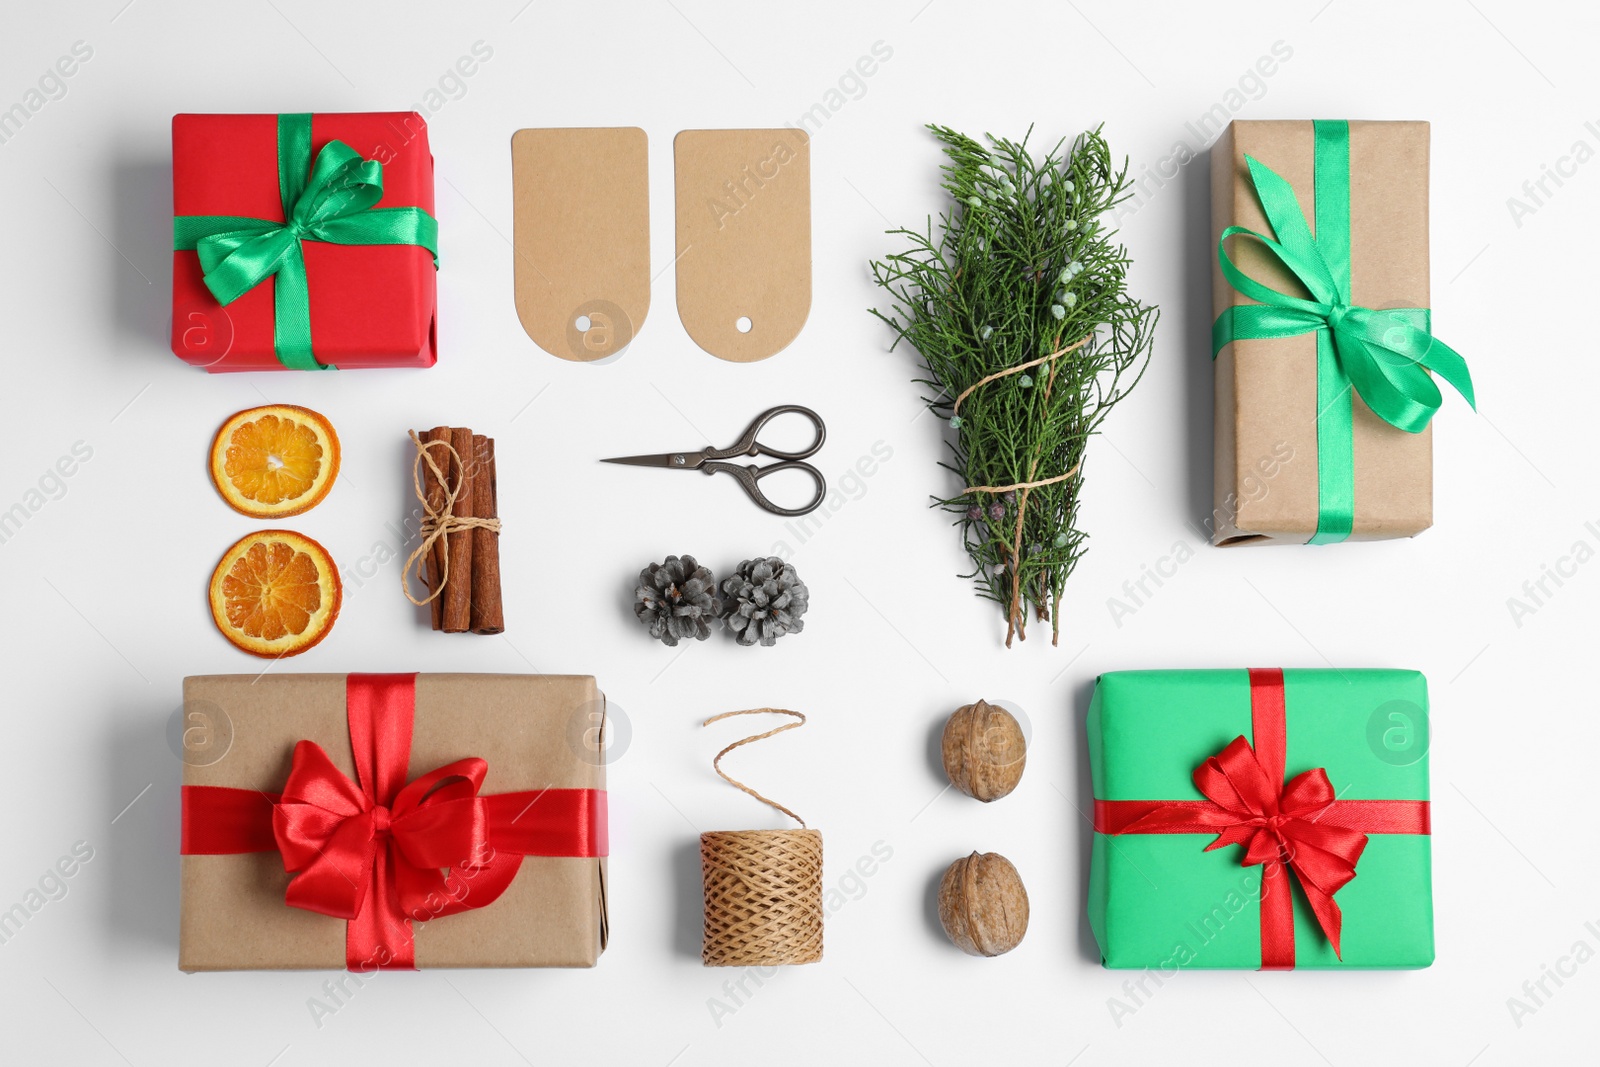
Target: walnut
[982,904]
[984,751]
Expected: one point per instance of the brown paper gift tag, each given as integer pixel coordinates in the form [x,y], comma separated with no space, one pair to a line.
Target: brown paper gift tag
[1265,477]
[581,235]
[535,731]
[743,239]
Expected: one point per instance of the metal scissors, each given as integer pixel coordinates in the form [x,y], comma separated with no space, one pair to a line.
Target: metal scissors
[708,460]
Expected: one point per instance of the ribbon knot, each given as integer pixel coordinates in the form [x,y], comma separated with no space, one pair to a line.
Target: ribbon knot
[382,821]
[1336,316]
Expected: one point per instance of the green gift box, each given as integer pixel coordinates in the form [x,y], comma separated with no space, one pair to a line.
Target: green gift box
[1261,819]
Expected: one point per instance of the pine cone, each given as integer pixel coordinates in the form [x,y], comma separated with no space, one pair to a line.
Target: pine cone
[764,600]
[677,599]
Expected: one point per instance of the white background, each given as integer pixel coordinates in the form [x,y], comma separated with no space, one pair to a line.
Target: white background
[104,586]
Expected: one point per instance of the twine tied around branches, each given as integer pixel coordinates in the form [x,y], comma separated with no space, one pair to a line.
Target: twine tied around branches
[1018,369]
[441,521]
[1013,610]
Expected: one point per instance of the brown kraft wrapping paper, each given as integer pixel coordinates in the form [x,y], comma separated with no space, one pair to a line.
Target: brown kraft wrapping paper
[535,731]
[1266,389]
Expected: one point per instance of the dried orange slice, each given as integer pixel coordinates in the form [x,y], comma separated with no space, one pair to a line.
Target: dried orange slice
[273,461]
[275,593]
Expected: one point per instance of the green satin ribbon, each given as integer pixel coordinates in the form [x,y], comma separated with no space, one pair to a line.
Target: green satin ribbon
[1383,354]
[328,200]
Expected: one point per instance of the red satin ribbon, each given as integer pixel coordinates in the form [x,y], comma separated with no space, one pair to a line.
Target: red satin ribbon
[379,851]
[1297,827]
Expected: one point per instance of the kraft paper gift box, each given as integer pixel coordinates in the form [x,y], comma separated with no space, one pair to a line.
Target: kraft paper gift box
[544,803]
[1322,432]
[1270,819]
[317,230]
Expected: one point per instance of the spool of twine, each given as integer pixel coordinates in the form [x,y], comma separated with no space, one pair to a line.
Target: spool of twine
[763,888]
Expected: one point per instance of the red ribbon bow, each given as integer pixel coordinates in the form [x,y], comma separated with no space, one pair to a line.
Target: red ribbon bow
[376,851]
[342,844]
[1298,827]
[1277,824]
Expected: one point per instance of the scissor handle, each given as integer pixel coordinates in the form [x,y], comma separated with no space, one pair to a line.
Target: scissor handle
[749,446]
[750,475]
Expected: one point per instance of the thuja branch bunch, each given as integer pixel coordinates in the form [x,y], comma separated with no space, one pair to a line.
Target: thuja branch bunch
[1018,305]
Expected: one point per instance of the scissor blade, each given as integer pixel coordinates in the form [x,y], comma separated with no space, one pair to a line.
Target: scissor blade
[681,460]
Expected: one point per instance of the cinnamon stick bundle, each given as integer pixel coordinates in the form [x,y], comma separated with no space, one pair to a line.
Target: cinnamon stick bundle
[462,567]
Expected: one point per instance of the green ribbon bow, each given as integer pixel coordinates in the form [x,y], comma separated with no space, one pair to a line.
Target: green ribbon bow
[334,204]
[1384,354]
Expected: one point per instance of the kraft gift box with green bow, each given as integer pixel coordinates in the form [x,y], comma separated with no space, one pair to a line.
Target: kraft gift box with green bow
[303,242]
[1260,818]
[1326,364]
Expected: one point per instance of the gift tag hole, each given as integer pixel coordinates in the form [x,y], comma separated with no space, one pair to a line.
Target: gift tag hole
[742,324]
[583,323]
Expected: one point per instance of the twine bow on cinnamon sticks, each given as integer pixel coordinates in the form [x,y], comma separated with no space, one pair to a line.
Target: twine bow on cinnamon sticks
[460,531]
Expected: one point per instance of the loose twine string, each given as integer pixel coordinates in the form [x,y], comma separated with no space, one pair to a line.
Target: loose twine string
[1014,609]
[441,521]
[762,888]
[716,763]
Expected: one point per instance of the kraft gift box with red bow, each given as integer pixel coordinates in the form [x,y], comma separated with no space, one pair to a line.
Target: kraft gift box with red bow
[1267,819]
[392,822]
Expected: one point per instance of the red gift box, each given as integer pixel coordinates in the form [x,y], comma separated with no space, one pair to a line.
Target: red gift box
[371,305]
